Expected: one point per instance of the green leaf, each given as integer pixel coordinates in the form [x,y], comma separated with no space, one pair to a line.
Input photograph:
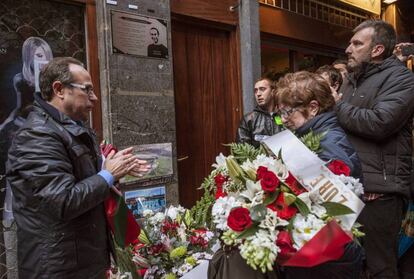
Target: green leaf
[258,212]
[303,208]
[244,151]
[336,209]
[249,232]
[289,198]
[271,197]
[188,220]
[312,141]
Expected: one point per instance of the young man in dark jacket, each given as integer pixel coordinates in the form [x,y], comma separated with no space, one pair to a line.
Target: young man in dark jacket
[260,123]
[58,189]
[376,112]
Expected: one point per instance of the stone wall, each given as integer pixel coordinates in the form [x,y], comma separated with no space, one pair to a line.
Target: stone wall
[137,91]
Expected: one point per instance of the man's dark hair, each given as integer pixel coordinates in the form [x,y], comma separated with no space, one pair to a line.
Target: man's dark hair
[384,34]
[56,70]
[334,74]
[154,28]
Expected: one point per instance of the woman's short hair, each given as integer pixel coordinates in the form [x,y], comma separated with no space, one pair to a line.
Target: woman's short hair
[300,88]
[28,50]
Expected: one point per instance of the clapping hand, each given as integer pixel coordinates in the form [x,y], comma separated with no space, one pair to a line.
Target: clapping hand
[120,164]
[141,166]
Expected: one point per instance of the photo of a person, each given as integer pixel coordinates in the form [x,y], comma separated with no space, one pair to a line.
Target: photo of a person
[35,50]
[156,49]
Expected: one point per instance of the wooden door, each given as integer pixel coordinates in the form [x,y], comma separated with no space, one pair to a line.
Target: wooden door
[207,100]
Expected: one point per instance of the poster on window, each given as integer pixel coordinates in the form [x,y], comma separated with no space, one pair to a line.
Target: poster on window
[152,198]
[159,157]
[139,35]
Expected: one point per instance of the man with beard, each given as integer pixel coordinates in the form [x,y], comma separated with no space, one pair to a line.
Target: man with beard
[262,121]
[376,112]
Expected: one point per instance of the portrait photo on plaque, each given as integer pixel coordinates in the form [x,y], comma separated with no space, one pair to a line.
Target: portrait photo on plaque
[152,198]
[139,35]
[158,156]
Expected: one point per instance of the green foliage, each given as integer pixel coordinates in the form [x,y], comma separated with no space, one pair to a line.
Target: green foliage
[336,209]
[201,211]
[258,212]
[208,183]
[124,261]
[302,207]
[312,141]
[243,151]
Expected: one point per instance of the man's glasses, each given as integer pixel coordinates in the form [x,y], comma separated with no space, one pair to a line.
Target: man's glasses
[87,89]
[286,113]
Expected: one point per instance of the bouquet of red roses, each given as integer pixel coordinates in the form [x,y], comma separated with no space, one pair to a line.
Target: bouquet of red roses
[264,211]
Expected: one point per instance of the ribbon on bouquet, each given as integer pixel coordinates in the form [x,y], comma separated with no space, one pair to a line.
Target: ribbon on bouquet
[312,173]
[327,245]
[120,219]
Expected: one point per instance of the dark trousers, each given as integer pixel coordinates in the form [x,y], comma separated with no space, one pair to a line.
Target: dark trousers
[381,220]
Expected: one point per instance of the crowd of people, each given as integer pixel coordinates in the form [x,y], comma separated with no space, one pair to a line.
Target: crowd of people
[365,105]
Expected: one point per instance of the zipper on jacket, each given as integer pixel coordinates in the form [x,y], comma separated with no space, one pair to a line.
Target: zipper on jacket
[383,167]
[353,93]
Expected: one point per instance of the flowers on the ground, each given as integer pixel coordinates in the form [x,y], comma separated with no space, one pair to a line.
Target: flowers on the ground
[170,245]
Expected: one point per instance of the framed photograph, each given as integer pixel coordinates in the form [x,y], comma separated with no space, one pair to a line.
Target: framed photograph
[152,198]
[159,156]
[139,35]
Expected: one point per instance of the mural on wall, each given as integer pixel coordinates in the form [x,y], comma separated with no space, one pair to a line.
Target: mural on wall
[32,32]
[139,35]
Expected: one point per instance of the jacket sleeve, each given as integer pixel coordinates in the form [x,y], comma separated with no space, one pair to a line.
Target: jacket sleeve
[390,111]
[41,176]
[243,132]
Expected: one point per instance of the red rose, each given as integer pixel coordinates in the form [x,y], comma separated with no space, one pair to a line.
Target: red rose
[338,167]
[284,242]
[269,181]
[142,271]
[260,172]
[219,179]
[294,185]
[283,211]
[239,219]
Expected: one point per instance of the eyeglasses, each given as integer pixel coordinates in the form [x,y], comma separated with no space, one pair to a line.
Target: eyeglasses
[87,89]
[286,113]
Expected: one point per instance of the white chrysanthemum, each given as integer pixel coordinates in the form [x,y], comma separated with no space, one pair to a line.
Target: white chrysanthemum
[221,210]
[220,162]
[173,211]
[183,269]
[157,218]
[260,250]
[353,184]
[305,228]
[147,213]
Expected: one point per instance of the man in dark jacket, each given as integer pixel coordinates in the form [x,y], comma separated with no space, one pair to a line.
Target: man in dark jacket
[376,112]
[261,122]
[58,192]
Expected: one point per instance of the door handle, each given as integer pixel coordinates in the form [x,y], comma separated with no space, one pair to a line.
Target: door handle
[182,158]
